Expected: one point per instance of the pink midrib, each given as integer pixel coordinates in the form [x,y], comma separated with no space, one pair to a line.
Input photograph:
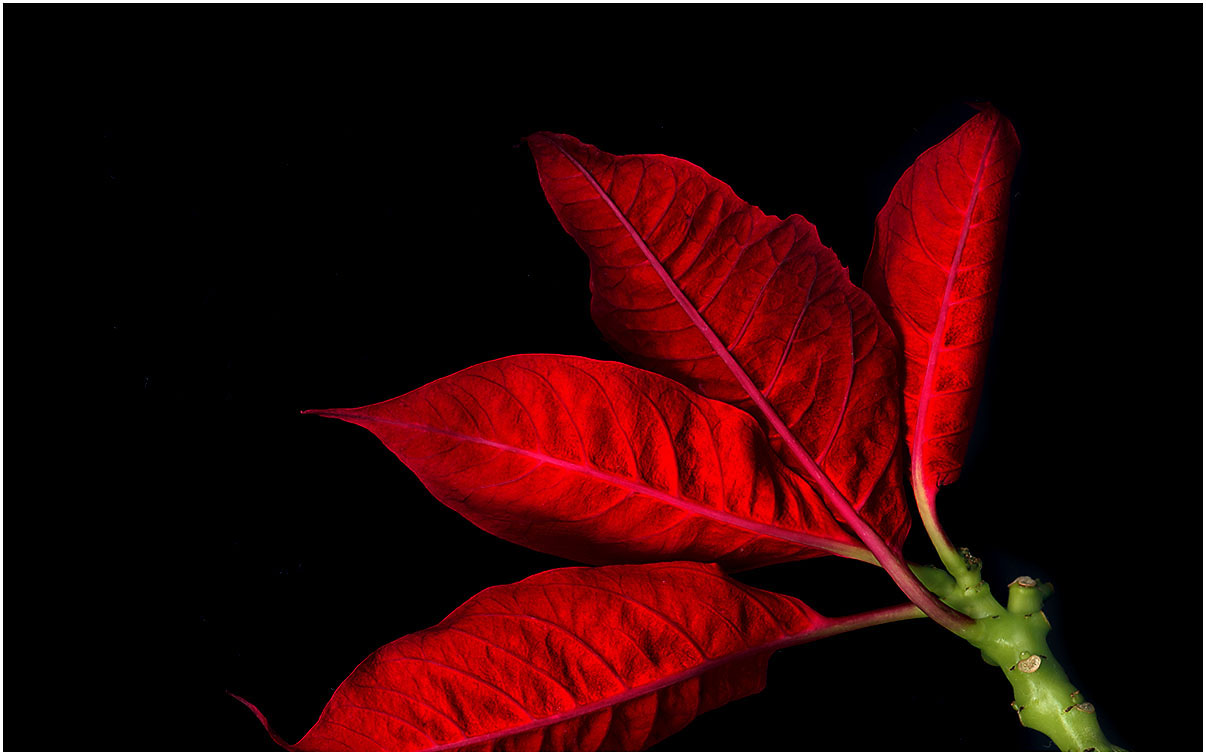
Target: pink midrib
[824,628]
[925,491]
[779,533]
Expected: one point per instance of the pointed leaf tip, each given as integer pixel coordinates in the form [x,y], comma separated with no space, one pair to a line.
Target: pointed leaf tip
[331,413]
[263,722]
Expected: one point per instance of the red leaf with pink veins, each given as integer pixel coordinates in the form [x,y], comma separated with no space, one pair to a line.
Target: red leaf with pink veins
[697,284]
[610,658]
[934,271]
[604,463]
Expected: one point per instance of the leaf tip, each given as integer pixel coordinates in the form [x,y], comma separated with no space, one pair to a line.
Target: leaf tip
[263,722]
[354,416]
[989,110]
[551,139]
[536,138]
[332,413]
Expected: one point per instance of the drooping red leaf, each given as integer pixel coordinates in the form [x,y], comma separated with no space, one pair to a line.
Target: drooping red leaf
[607,658]
[934,271]
[746,308]
[604,463]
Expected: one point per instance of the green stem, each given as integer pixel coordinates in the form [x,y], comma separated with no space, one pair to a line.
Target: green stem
[1014,639]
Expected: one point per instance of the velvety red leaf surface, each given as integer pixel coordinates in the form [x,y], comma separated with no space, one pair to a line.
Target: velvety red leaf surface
[604,463]
[696,284]
[934,271]
[606,658]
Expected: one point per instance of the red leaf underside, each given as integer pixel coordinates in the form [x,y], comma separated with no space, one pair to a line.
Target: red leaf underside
[602,462]
[608,658]
[934,270]
[698,285]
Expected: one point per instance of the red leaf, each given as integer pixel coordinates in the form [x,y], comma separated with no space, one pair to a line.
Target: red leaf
[603,463]
[747,308]
[934,270]
[611,658]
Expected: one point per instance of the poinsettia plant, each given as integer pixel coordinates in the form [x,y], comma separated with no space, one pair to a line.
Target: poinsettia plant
[776,412]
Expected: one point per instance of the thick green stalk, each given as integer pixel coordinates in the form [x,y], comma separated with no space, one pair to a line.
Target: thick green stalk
[1013,638]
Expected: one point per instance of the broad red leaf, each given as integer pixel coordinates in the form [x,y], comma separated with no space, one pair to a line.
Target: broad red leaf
[742,306]
[609,658]
[603,463]
[934,271]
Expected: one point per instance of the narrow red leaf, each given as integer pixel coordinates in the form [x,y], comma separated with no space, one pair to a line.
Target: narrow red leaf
[934,271]
[609,658]
[697,284]
[604,463]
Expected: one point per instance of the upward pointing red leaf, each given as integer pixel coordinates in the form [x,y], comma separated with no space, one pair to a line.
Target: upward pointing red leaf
[611,658]
[744,307]
[603,463]
[934,271]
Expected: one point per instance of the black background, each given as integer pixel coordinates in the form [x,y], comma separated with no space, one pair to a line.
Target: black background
[221,216]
